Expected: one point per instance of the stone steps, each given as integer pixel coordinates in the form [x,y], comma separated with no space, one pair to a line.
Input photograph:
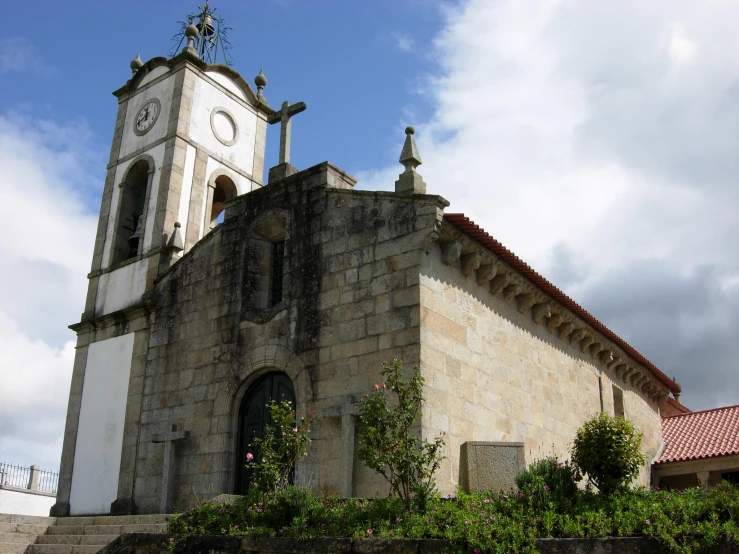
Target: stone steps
[71,535]
[84,540]
[18,532]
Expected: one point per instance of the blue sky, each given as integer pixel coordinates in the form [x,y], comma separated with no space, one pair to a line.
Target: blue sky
[359,66]
[596,140]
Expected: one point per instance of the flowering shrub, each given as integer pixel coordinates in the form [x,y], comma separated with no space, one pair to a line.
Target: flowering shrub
[608,450]
[683,522]
[285,441]
[387,442]
[549,481]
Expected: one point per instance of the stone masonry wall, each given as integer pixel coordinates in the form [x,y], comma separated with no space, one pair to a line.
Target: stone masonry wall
[493,374]
[350,302]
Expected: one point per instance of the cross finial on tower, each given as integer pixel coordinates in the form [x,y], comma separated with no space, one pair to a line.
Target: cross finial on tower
[284,168]
[409,181]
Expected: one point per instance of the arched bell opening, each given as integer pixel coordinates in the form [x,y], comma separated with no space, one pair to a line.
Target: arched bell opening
[254,417]
[223,191]
[129,232]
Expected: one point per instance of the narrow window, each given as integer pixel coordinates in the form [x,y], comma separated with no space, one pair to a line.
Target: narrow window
[278,262]
[618,402]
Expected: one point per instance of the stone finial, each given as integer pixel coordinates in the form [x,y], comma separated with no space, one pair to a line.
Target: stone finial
[260,81]
[136,64]
[175,244]
[191,32]
[409,181]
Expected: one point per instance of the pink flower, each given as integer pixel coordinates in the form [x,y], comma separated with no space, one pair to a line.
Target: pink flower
[383,386]
[369,531]
[476,550]
[377,387]
[249,457]
[236,526]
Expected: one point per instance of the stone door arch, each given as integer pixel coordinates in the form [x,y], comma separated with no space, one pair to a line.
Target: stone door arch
[254,417]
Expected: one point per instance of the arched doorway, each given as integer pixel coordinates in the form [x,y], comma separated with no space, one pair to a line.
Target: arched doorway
[254,417]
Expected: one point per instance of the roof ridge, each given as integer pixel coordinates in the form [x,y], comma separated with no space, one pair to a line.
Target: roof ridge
[702,411]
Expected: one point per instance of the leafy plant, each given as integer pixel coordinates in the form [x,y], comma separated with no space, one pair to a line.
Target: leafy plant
[275,454]
[683,522]
[549,481]
[387,441]
[608,450]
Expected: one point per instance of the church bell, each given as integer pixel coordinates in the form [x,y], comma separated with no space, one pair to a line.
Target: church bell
[133,242]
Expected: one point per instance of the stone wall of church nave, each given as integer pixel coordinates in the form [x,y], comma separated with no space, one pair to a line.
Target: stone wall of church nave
[493,374]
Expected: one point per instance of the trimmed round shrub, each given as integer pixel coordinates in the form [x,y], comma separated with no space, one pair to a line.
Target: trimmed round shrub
[608,450]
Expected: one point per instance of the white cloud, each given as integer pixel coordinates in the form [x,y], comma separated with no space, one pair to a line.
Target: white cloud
[566,128]
[680,47]
[403,41]
[46,235]
[17,54]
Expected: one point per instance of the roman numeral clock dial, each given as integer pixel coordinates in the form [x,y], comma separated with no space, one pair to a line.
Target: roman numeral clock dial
[147,117]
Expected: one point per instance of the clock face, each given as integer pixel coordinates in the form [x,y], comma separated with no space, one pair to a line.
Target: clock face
[147,116]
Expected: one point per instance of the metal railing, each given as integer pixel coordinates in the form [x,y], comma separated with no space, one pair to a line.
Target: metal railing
[31,478]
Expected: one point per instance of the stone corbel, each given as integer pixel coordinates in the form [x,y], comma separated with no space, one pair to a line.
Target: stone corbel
[648,388]
[606,357]
[586,342]
[433,236]
[512,291]
[499,283]
[540,311]
[637,378]
[630,369]
[470,263]
[555,321]
[525,301]
[451,251]
[486,273]
[620,369]
[565,329]
[577,336]
[617,361]
[597,348]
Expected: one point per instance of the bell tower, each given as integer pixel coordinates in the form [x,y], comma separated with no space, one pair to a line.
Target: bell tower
[189,136]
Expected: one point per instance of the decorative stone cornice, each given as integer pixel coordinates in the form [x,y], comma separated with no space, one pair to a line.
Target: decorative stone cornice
[490,272]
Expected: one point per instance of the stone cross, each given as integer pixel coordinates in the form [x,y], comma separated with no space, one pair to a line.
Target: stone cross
[169,439]
[348,412]
[283,116]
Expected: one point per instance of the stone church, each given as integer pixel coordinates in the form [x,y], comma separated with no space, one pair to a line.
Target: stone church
[211,292]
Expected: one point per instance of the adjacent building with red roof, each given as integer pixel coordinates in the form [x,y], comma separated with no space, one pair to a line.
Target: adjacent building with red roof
[701,448]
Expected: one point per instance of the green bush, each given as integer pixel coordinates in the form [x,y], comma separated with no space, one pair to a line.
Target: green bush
[388,442]
[684,522]
[274,455]
[608,450]
[549,480]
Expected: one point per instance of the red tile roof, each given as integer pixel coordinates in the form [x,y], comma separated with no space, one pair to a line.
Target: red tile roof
[699,435]
[478,234]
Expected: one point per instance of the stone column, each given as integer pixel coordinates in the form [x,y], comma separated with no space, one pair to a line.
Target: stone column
[703,477]
[34,477]
[348,412]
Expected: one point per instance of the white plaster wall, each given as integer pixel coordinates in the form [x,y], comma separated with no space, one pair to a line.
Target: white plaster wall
[226,83]
[121,288]
[97,457]
[152,75]
[157,154]
[163,92]
[184,209]
[208,96]
[25,503]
